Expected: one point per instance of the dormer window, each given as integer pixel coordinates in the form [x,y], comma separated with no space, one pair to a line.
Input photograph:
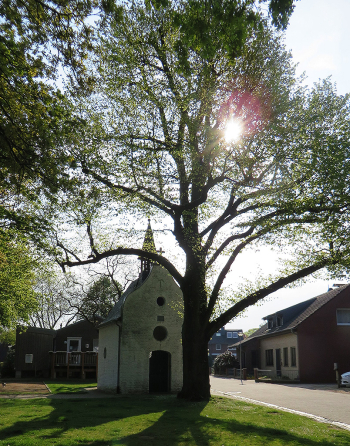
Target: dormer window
[279,321]
[270,323]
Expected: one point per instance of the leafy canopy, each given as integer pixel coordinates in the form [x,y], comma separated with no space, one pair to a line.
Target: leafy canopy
[17,298]
[156,144]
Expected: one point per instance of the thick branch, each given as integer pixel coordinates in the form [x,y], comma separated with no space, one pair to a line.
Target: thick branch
[258,295]
[225,270]
[159,202]
[227,242]
[129,251]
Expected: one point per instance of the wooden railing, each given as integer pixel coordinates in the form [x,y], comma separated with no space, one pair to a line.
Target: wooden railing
[74,361]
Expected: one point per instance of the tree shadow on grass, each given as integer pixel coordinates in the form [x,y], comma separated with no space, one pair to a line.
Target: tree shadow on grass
[154,420]
[204,431]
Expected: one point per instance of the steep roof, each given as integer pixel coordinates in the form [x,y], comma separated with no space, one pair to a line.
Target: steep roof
[148,243]
[295,315]
[116,311]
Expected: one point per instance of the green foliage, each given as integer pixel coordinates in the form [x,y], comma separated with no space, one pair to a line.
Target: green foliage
[17,299]
[225,360]
[37,40]
[101,297]
[250,332]
[7,368]
[7,336]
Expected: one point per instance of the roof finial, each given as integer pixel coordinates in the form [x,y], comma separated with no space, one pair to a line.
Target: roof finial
[148,243]
[148,246]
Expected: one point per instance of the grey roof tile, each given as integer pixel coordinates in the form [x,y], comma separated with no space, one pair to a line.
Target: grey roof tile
[116,311]
[295,315]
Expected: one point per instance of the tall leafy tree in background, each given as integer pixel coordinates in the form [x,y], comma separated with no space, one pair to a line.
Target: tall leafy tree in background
[100,298]
[38,40]
[158,143]
[17,298]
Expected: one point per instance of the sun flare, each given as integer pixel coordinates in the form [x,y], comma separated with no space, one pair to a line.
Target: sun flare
[233,130]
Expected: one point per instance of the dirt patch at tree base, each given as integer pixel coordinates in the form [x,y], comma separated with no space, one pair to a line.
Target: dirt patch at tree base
[23,388]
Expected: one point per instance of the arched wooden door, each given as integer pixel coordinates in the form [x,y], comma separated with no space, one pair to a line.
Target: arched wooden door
[159,371]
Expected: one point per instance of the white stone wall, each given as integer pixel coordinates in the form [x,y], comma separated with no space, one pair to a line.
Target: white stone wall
[140,314]
[108,366]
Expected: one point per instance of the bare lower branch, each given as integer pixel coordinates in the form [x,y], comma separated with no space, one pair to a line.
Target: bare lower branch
[227,242]
[91,239]
[215,293]
[129,251]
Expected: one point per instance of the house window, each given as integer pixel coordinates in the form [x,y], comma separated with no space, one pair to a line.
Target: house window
[279,321]
[293,356]
[235,334]
[160,318]
[229,334]
[343,316]
[218,346]
[270,323]
[28,359]
[269,357]
[285,356]
[218,334]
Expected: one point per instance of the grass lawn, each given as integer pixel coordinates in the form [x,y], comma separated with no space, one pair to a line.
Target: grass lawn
[70,386]
[157,421]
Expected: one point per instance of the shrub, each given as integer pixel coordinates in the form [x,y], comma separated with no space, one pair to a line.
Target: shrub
[7,369]
[225,360]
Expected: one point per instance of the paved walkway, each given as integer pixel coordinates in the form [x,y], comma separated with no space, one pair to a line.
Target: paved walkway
[325,403]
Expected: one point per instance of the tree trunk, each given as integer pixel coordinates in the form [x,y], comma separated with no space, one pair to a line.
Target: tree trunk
[196,385]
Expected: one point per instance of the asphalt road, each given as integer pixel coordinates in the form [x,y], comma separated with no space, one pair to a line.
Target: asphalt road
[322,402]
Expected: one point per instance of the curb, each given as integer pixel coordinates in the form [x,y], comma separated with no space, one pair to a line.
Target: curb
[284,409]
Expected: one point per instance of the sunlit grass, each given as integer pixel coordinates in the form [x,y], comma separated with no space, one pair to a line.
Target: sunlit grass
[70,386]
[157,421]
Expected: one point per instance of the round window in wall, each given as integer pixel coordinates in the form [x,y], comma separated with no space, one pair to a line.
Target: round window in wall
[160,333]
[160,301]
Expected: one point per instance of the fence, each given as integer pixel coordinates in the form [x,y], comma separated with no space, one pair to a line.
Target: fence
[227,371]
[273,375]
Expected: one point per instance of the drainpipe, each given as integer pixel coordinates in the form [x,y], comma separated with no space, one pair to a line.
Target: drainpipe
[119,341]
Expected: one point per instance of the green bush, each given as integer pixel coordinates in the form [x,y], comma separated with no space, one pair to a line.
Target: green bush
[225,360]
[7,368]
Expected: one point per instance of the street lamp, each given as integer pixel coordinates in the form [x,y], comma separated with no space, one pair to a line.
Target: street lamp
[240,334]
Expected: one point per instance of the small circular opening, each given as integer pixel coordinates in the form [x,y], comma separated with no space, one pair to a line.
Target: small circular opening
[160,333]
[160,301]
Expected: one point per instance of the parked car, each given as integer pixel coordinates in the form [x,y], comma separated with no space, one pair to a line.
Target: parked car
[345,379]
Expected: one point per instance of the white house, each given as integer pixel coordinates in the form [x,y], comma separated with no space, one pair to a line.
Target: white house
[140,347]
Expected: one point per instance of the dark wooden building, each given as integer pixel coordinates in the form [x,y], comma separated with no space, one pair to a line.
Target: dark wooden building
[70,351]
[305,341]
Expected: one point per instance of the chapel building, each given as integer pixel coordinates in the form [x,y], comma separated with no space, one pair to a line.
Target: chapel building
[140,348]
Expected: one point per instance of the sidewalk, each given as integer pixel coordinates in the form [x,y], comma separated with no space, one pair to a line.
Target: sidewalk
[326,402]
